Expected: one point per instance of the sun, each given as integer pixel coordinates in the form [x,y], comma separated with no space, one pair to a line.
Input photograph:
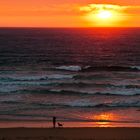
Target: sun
[104,14]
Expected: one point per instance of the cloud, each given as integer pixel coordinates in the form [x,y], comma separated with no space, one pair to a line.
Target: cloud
[118,8]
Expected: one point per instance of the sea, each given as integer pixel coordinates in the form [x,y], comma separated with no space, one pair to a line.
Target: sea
[82,76]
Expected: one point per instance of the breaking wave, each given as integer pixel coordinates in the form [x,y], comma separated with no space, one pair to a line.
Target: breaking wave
[37,78]
[98,68]
[117,104]
[70,92]
[86,104]
[69,68]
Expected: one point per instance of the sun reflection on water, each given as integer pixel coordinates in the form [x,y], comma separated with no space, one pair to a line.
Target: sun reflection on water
[105,119]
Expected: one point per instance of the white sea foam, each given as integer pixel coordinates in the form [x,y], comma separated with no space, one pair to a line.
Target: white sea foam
[135,67]
[9,88]
[37,78]
[69,68]
[28,78]
[60,76]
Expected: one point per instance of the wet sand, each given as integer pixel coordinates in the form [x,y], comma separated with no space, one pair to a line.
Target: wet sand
[70,134]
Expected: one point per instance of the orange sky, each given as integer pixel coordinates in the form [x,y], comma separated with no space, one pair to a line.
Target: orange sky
[65,13]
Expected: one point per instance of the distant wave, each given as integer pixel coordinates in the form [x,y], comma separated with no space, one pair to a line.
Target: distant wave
[80,104]
[92,92]
[135,67]
[37,78]
[69,68]
[110,68]
[103,85]
[69,92]
[72,82]
[99,68]
[117,104]
[87,104]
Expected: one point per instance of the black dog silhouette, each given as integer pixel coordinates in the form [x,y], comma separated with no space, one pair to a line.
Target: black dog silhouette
[60,124]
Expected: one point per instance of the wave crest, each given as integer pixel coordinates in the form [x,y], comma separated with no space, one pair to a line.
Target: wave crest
[69,68]
[98,68]
[37,78]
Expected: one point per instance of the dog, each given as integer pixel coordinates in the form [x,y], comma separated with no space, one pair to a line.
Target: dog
[60,124]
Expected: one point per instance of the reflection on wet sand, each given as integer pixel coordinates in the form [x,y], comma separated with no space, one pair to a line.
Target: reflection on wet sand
[105,119]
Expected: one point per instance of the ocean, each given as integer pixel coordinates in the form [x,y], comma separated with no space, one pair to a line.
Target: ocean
[86,76]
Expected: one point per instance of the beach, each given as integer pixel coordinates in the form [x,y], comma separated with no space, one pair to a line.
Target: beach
[70,134]
[83,77]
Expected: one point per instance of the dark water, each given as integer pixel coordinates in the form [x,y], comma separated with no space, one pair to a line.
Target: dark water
[74,74]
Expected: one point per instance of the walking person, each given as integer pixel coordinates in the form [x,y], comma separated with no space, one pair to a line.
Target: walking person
[54,122]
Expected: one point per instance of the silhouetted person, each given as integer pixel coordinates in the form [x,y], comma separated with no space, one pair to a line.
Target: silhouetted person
[54,122]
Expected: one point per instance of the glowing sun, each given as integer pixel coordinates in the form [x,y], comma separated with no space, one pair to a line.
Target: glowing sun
[104,14]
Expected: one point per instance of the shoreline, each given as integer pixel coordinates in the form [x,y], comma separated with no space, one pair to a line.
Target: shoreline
[84,133]
[66,124]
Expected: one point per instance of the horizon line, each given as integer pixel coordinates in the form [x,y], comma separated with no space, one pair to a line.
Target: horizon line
[70,27]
